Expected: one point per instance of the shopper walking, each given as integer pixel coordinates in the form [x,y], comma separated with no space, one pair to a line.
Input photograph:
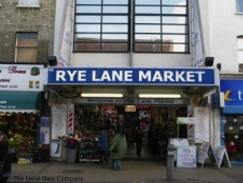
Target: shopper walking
[118,147]
[5,158]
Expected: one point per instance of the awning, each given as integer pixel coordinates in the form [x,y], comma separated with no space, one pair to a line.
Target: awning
[233,110]
[11,101]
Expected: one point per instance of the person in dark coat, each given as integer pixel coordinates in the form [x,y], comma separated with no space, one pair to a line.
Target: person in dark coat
[139,141]
[5,158]
[103,145]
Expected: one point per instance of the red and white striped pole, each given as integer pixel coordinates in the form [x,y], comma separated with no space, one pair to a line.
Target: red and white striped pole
[70,119]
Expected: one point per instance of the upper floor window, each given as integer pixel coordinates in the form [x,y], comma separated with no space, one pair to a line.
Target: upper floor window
[26,47]
[239,6]
[28,3]
[161,26]
[101,26]
[240,52]
[151,26]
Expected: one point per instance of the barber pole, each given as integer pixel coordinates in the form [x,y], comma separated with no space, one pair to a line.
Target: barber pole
[70,119]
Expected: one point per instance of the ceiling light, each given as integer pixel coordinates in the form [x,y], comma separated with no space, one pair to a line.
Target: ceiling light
[108,95]
[159,95]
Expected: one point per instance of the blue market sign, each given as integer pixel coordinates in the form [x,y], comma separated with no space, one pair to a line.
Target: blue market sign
[131,76]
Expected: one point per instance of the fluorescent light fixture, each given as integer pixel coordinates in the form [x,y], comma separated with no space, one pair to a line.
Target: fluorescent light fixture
[159,95]
[108,95]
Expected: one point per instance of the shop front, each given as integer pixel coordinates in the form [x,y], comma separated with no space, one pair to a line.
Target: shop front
[132,98]
[232,118]
[20,91]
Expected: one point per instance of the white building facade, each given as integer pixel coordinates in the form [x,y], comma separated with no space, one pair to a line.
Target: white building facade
[222,25]
[110,43]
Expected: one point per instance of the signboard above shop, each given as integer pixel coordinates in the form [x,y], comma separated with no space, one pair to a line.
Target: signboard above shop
[132,76]
[134,101]
[232,90]
[22,77]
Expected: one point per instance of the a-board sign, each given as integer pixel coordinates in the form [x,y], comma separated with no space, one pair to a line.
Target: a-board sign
[221,156]
[186,157]
[205,151]
[202,152]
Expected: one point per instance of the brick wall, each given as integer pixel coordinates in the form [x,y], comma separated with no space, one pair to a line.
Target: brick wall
[18,19]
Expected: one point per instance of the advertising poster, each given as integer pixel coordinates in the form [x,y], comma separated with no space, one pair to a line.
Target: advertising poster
[201,116]
[186,157]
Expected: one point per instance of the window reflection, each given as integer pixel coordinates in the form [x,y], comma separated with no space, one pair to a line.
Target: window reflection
[147,2]
[87,38]
[148,37]
[115,2]
[175,29]
[174,19]
[115,19]
[87,28]
[148,10]
[115,9]
[146,19]
[104,26]
[114,28]
[88,2]
[174,10]
[88,9]
[147,28]
[88,19]
[174,2]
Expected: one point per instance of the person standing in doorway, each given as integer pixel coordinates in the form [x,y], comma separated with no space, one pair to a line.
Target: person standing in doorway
[139,140]
[118,147]
[104,146]
[5,158]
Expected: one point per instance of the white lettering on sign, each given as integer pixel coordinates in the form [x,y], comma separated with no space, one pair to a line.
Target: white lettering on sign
[240,95]
[178,76]
[126,76]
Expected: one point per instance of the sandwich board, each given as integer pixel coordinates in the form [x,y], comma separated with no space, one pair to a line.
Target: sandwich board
[222,156]
[206,152]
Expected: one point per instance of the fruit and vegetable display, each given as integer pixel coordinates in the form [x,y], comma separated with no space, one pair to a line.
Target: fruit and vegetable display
[22,130]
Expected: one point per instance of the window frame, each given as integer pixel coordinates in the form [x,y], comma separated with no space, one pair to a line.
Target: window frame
[26,46]
[180,39]
[102,46]
[160,46]
[239,6]
[28,4]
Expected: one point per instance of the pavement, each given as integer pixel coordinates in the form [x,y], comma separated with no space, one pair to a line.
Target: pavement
[132,171]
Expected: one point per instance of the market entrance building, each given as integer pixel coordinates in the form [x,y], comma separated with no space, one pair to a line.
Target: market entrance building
[152,99]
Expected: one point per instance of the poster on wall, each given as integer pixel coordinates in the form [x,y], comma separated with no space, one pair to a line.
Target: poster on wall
[59,121]
[201,116]
[45,130]
[56,148]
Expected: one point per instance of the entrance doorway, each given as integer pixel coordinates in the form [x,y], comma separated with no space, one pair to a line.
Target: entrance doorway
[147,128]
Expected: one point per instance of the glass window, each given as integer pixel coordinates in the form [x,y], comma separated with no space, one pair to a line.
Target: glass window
[101,26]
[161,26]
[88,2]
[158,26]
[239,6]
[29,2]
[233,133]
[147,2]
[26,47]
[240,49]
